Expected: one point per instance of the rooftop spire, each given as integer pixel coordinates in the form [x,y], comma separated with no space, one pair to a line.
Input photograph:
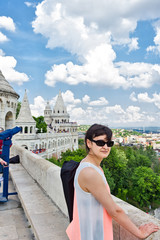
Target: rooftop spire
[25,112]
[48,107]
[59,105]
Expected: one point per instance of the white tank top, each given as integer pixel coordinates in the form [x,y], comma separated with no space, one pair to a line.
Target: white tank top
[90,211]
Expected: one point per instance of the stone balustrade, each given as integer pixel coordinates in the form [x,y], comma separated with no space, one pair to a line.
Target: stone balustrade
[48,177]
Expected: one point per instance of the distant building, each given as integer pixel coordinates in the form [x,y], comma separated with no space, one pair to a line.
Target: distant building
[58,119]
[61,134]
[8,104]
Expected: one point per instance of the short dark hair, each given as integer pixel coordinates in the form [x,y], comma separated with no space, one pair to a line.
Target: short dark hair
[96,130]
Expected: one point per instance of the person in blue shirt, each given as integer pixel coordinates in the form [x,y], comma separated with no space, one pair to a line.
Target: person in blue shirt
[2,162]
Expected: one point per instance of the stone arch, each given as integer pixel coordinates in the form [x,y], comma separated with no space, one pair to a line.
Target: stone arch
[9,120]
[26,129]
[31,129]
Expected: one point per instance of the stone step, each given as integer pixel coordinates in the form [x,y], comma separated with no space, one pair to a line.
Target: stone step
[47,221]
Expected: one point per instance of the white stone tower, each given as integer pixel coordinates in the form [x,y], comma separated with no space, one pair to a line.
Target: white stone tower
[8,104]
[48,114]
[60,114]
[25,119]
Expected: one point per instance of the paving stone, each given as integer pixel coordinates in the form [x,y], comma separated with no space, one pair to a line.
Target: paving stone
[13,222]
[47,221]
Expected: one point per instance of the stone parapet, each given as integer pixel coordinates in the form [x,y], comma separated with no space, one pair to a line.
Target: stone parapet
[47,175]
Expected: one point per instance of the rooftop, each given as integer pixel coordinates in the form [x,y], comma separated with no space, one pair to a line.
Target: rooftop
[5,86]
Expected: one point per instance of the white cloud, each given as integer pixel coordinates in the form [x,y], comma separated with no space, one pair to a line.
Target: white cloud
[150,119]
[102,101]
[139,75]
[30,4]
[86,99]
[68,97]
[133,114]
[2,52]
[37,109]
[90,35]
[3,38]
[156,98]
[133,45]
[143,97]
[116,109]
[7,66]
[7,23]
[155,48]
[105,17]
[85,114]
[97,69]
[132,97]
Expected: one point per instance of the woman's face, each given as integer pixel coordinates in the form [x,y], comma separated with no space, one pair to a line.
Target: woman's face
[99,151]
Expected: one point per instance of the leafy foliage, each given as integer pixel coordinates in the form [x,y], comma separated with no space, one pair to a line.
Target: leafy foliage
[76,155]
[132,173]
[18,109]
[109,178]
[145,187]
[116,163]
[40,124]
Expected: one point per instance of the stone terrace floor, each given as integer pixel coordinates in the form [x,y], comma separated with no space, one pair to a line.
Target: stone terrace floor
[13,222]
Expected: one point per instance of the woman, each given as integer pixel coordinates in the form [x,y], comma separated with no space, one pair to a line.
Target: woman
[94,207]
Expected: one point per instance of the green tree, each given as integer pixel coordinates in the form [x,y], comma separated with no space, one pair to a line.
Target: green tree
[145,187]
[81,142]
[18,109]
[116,162]
[40,124]
[109,178]
[155,163]
[136,157]
[122,194]
[76,155]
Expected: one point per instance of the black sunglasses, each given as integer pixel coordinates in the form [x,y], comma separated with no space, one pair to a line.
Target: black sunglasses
[101,143]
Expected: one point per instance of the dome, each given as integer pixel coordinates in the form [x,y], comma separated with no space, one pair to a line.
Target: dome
[5,86]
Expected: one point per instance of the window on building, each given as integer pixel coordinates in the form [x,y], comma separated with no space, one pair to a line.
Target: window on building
[26,130]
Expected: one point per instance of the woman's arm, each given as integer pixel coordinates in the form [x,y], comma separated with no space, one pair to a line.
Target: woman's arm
[90,181]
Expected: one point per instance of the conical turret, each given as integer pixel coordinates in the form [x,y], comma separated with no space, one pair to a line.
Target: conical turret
[25,119]
[60,115]
[25,112]
[59,108]
[48,114]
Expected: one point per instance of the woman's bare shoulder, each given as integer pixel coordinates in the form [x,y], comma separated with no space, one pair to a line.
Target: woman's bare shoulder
[89,173]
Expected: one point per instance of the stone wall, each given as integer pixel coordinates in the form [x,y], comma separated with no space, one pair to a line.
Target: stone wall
[48,177]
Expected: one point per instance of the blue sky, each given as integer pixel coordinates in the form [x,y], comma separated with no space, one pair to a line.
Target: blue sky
[104,59]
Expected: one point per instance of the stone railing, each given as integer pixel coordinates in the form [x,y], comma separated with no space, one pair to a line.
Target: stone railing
[48,177]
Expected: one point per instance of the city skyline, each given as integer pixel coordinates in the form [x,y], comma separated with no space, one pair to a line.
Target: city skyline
[104,59]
